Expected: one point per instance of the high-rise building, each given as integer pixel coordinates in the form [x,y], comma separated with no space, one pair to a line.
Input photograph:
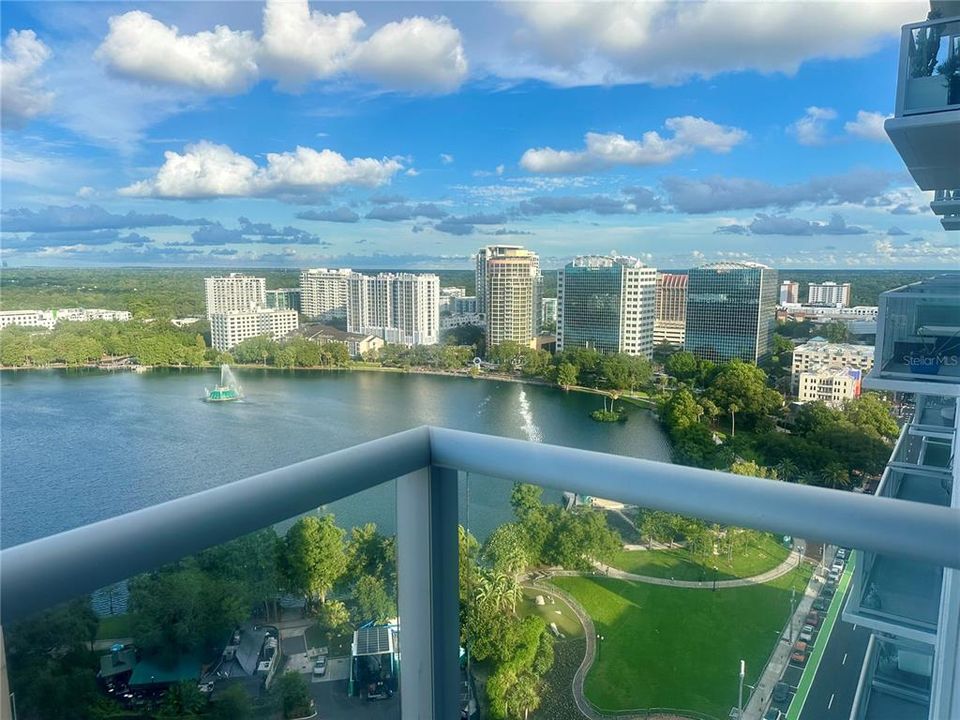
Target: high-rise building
[817,354]
[323,293]
[401,308]
[789,292]
[731,311]
[481,272]
[228,329]
[234,292]
[284,299]
[509,276]
[608,304]
[671,318]
[828,293]
[548,311]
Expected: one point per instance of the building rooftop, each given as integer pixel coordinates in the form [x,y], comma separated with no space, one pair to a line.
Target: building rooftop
[820,344]
[733,265]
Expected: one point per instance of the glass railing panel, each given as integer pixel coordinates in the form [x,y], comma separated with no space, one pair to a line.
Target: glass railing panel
[902,592]
[643,611]
[932,69]
[296,618]
[921,336]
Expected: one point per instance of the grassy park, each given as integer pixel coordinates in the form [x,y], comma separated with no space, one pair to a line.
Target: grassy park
[552,612]
[679,648]
[679,564]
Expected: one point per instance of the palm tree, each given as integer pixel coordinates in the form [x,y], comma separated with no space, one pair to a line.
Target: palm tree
[733,419]
[787,470]
[500,589]
[835,476]
[807,477]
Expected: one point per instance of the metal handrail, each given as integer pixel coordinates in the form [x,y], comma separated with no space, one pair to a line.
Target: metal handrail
[41,573]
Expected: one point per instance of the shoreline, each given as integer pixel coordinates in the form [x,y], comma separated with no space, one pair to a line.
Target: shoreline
[642,403]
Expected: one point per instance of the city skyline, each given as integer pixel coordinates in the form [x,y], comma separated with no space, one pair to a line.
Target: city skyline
[371,155]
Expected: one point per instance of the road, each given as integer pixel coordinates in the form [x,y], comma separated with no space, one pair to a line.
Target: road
[831,695]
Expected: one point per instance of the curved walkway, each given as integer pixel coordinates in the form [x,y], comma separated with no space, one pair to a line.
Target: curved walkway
[779,571]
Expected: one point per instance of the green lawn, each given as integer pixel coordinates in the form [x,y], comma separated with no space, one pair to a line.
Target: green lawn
[679,648]
[679,564]
[557,612]
[115,626]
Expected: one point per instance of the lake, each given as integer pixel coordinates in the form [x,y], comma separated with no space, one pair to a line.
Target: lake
[81,446]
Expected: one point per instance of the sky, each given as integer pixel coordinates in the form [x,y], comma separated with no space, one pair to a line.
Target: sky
[408,135]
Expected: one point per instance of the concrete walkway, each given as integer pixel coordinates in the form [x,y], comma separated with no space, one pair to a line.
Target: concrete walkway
[792,561]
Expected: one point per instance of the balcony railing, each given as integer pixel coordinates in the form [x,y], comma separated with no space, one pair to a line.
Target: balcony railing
[930,67]
[894,681]
[425,463]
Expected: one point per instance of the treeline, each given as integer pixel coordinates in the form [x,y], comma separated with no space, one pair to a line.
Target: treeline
[82,343]
[519,650]
[726,417]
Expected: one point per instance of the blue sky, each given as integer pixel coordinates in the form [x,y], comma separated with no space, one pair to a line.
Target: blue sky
[410,134]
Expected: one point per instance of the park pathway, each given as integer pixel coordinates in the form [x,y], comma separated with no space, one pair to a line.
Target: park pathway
[792,561]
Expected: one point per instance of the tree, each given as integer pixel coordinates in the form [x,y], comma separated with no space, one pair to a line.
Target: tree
[566,375]
[835,476]
[682,365]
[370,553]
[836,331]
[733,419]
[233,703]
[184,698]
[787,470]
[506,550]
[750,468]
[814,417]
[371,600]
[498,589]
[248,564]
[744,385]
[870,411]
[314,557]
[333,617]
[625,372]
[291,694]
[681,410]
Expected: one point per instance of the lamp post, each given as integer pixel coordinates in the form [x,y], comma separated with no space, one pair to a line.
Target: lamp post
[715,571]
[743,671]
[793,609]
[599,643]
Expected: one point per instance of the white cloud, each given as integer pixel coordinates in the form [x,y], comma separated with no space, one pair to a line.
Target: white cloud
[446,158]
[577,43]
[141,47]
[21,89]
[868,126]
[208,170]
[417,53]
[500,169]
[86,192]
[297,46]
[611,149]
[412,172]
[811,129]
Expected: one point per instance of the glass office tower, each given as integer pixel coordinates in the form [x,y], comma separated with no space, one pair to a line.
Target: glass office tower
[731,311]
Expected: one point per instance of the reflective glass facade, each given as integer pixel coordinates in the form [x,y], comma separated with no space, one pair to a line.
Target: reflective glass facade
[591,307]
[731,311]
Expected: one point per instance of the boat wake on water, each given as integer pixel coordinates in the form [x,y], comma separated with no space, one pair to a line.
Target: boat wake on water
[530,428]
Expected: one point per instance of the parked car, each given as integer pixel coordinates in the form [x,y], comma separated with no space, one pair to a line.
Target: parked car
[842,553]
[806,633]
[781,691]
[320,667]
[774,714]
[821,604]
[813,618]
[828,591]
[799,654]
[833,577]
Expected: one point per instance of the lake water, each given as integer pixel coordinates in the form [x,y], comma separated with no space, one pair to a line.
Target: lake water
[81,446]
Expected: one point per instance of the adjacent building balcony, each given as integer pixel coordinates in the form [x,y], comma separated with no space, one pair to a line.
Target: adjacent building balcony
[946,203]
[894,682]
[918,340]
[926,124]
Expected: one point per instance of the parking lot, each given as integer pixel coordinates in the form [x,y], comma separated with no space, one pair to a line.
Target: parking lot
[332,702]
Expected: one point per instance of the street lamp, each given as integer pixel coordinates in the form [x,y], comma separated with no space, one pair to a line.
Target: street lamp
[743,671]
[599,643]
[715,571]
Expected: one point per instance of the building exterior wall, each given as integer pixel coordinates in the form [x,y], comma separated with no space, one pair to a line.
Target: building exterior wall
[28,318]
[400,308]
[671,316]
[323,292]
[731,311]
[828,293]
[789,292]
[818,353]
[511,295]
[482,257]
[833,386]
[607,304]
[231,328]
[284,299]
[234,292]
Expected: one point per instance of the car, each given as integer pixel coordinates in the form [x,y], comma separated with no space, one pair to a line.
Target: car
[774,714]
[828,591]
[842,553]
[837,568]
[781,691]
[205,687]
[320,667]
[813,618]
[806,633]
[799,654]
[821,604]
[833,577]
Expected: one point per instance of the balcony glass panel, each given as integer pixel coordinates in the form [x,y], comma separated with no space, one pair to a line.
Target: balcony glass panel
[295,618]
[916,487]
[636,594]
[899,676]
[921,332]
[936,411]
[932,67]
[901,591]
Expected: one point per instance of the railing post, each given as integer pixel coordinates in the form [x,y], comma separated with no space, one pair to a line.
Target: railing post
[428,576]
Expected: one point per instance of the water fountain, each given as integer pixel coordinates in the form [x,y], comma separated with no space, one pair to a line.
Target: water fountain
[228,389]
